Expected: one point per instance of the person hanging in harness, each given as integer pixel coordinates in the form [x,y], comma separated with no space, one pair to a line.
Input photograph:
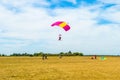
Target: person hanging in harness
[60,37]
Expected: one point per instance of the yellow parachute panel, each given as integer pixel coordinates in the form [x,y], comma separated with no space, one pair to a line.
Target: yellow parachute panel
[62,24]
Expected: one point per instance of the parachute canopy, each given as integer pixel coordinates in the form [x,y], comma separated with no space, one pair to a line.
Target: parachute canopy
[61,24]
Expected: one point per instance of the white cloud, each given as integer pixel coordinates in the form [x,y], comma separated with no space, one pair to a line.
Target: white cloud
[110,1]
[73,1]
[112,14]
[87,34]
[32,27]
[23,3]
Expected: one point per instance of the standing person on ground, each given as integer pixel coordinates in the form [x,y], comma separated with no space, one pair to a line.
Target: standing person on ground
[43,56]
[95,56]
[60,56]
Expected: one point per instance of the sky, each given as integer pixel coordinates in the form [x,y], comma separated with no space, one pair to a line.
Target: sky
[25,26]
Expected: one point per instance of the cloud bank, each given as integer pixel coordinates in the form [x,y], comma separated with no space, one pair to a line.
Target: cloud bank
[25,26]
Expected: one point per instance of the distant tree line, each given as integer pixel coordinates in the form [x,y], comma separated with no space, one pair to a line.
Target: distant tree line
[3,55]
[69,53]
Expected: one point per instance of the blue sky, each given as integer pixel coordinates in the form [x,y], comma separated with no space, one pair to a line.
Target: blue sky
[25,26]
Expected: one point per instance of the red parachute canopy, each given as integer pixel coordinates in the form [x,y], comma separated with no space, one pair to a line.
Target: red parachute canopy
[61,24]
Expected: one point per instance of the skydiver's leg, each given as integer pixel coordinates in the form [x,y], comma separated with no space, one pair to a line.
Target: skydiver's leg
[59,38]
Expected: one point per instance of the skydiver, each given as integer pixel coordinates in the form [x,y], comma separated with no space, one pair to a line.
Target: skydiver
[60,37]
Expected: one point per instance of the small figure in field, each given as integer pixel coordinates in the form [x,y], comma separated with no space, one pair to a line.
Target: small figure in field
[95,56]
[92,58]
[60,37]
[60,56]
[43,56]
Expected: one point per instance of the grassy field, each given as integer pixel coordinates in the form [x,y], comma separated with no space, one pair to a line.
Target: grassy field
[67,68]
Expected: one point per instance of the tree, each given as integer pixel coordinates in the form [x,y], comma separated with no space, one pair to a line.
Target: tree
[38,54]
[77,54]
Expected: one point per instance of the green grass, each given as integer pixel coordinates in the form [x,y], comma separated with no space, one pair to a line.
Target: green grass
[67,68]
